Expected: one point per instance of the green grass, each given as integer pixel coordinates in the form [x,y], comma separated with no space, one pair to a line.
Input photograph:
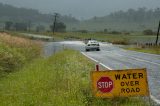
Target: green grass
[152,50]
[122,38]
[60,80]
[98,36]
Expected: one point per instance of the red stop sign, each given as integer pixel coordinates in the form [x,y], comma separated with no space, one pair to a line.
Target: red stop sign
[105,84]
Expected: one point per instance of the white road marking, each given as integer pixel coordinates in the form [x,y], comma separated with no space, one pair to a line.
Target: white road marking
[96,61]
[140,52]
[155,99]
[89,57]
[151,96]
[105,66]
[139,59]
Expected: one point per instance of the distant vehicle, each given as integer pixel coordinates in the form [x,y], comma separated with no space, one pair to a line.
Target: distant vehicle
[92,45]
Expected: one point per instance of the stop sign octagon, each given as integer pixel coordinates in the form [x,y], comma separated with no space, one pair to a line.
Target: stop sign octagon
[105,84]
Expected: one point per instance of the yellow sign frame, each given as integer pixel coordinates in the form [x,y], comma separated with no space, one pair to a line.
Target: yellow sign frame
[129,82]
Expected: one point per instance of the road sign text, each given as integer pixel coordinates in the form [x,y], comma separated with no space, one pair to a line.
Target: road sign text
[115,83]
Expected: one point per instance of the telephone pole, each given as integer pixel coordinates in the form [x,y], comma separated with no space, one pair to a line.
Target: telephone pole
[158,34]
[54,22]
[29,25]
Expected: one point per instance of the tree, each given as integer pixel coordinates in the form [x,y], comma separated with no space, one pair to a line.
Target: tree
[29,25]
[83,31]
[148,32]
[40,28]
[20,26]
[157,13]
[105,30]
[8,25]
[59,27]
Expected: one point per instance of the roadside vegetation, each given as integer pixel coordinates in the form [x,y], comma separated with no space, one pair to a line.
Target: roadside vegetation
[60,80]
[15,52]
[124,38]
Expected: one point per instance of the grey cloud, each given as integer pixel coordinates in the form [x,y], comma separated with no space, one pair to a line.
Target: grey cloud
[83,8]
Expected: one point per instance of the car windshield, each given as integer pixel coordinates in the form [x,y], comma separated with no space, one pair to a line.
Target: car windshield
[93,42]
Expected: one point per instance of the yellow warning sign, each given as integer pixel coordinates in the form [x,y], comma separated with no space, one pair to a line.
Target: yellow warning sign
[115,83]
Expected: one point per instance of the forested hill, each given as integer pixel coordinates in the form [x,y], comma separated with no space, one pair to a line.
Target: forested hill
[140,15]
[132,19]
[11,13]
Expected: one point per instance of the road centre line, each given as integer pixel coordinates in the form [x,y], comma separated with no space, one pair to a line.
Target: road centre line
[140,52]
[132,57]
[138,59]
[151,96]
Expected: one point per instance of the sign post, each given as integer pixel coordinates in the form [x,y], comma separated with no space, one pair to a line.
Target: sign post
[120,83]
[97,67]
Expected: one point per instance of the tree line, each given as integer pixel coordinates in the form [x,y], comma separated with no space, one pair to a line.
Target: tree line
[131,15]
[21,26]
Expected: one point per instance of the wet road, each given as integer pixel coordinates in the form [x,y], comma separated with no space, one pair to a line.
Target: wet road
[113,57]
[40,37]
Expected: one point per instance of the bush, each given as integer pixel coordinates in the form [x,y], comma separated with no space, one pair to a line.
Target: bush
[83,31]
[121,42]
[126,33]
[115,32]
[148,32]
[15,51]
[10,58]
[105,30]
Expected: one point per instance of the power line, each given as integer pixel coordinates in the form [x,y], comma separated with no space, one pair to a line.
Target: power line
[54,22]
[158,34]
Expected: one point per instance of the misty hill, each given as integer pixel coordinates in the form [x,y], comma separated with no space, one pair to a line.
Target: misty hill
[130,20]
[11,13]
[133,20]
[140,15]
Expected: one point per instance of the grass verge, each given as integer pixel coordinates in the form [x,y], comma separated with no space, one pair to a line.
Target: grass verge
[16,51]
[60,80]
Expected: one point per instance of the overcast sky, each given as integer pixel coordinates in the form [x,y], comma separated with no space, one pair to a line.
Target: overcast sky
[83,8]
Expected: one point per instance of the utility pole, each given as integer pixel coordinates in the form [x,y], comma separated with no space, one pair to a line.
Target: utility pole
[3,27]
[54,23]
[29,25]
[158,34]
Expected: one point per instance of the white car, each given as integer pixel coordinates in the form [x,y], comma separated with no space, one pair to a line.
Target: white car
[92,45]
